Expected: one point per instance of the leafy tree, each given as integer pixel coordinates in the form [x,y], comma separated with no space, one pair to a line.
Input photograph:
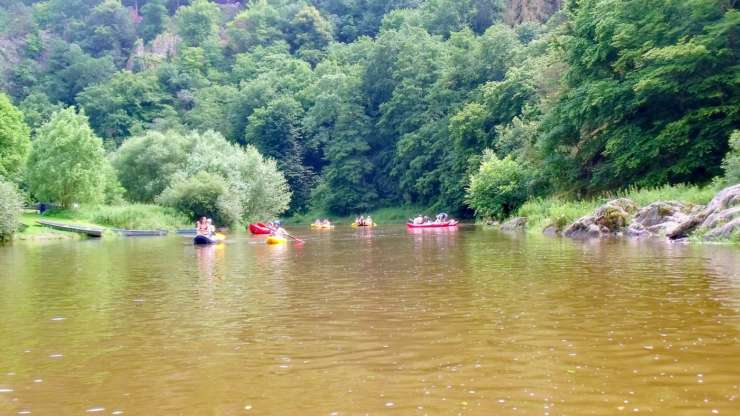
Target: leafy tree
[67,161]
[155,17]
[70,70]
[145,164]
[276,131]
[498,188]
[651,94]
[108,30]
[14,139]
[128,100]
[309,33]
[37,109]
[198,22]
[731,164]
[204,194]
[11,207]
[258,25]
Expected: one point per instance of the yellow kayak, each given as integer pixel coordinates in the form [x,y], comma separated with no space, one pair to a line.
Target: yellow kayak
[354,224]
[276,240]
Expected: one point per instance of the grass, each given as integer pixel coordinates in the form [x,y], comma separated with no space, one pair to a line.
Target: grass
[130,216]
[542,213]
[388,215]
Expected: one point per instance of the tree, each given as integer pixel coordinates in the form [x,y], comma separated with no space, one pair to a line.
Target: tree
[258,25]
[198,22]
[146,164]
[14,139]
[651,94]
[204,194]
[275,130]
[498,188]
[67,161]
[155,17]
[126,102]
[731,163]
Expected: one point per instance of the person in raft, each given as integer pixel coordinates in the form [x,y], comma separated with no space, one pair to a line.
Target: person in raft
[278,230]
[201,226]
[211,227]
[317,223]
[326,223]
[369,221]
[442,217]
[418,220]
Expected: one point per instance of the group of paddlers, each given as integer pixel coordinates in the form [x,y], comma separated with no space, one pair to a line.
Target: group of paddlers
[423,219]
[204,226]
[364,221]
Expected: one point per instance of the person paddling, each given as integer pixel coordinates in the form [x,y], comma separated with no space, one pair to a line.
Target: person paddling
[201,226]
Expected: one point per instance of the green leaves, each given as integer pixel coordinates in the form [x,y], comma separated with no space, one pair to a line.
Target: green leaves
[14,140]
[67,162]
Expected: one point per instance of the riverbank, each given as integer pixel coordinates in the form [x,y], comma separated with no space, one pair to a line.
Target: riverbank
[132,216]
[626,213]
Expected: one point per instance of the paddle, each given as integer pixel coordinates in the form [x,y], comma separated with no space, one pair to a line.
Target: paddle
[298,240]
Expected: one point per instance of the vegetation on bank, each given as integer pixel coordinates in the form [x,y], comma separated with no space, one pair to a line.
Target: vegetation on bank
[557,212]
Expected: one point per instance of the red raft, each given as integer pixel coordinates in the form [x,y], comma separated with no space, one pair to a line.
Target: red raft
[258,228]
[446,224]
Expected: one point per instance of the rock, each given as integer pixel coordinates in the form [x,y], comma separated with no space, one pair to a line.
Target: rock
[514,224]
[610,218]
[660,218]
[551,231]
[719,220]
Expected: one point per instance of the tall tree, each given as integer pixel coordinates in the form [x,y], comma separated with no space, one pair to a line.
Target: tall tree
[14,139]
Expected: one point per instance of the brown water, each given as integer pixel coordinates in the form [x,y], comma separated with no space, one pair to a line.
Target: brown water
[379,322]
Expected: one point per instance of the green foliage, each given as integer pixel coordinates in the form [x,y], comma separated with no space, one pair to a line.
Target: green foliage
[14,139]
[203,194]
[731,164]
[159,166]
[651,94]
[499,187]
[155,17]
[127,102]
[146,164]
[37,109]
[67,162]
[198,22]
[11,205]
[560,212]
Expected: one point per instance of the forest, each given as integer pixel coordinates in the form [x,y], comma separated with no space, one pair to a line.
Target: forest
[256,108]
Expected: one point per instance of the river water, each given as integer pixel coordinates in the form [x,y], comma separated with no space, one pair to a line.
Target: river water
[377,322]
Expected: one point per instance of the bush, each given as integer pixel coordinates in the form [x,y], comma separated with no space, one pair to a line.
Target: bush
[498,188]
[11,206]
[731,164]
[204,194]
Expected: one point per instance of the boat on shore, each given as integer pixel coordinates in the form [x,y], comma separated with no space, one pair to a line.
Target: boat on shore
[446,224]
[81,229]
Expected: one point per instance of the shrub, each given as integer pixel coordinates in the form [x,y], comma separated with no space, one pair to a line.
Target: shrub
[11,206]
[135,216]
[204,194]
[498,188]
[731,164]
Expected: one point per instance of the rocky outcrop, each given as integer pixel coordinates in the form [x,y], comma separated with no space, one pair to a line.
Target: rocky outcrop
[719,220]
[659,218]
[609,219]
[520,11]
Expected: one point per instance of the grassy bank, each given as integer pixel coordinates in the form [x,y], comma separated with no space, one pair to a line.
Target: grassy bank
[542,213]
[389,215]
[133,216]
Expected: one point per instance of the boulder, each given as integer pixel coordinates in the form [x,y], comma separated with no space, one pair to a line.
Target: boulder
[659,218]
[719,220]
[609,219]
[514,224]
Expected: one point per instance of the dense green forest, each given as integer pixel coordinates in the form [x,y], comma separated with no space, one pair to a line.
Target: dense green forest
[345,106]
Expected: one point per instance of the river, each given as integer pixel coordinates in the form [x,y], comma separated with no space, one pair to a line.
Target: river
[377,322]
